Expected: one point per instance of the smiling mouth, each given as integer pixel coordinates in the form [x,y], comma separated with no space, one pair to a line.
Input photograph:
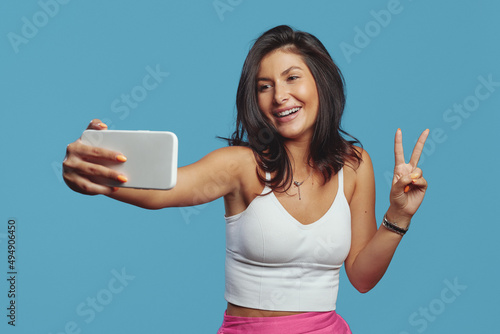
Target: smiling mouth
[287,112]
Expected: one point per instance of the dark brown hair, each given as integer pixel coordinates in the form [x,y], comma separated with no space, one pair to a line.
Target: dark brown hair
[329,150]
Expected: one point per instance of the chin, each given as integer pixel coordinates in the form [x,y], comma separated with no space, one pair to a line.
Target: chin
[295,131]
[292,135]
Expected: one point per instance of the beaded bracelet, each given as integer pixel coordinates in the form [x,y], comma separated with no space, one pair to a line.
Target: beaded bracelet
[393,227]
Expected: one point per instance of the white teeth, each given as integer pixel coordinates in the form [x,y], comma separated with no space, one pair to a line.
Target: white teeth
[288,112]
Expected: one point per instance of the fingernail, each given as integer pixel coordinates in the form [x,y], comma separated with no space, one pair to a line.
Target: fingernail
[122,178]
[115,189]
[121,157]
[102,125]
[414,175]
[407,188]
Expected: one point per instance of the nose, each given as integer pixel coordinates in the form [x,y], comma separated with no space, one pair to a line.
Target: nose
[280,93]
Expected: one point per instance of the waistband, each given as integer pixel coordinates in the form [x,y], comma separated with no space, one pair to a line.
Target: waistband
[309,322]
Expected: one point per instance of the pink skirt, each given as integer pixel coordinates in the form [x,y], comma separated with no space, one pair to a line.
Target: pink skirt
[309,322]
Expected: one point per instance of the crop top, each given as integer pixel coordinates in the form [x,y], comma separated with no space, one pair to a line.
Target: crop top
[274,262]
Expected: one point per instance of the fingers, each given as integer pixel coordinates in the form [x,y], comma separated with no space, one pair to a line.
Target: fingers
[76,167]
[85,186]
[92,153]
[402,184]
[417,150]
[82,167]
[91,150]
[79,157]
[398,148]
[72,167]
[419,183]
[410,181]
[419,146]
[96,124]
[79,176]
[90,169]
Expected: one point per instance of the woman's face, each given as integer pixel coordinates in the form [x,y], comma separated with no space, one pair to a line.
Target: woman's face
[287,94]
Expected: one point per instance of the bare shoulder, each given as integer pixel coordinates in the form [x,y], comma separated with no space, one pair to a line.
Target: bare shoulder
[357,172]
[220,173]
[242,152]
[237,158]
[362,166]
[230,155]
[242,166]
[237,162]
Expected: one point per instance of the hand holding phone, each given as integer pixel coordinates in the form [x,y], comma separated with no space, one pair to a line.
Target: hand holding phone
[151,157]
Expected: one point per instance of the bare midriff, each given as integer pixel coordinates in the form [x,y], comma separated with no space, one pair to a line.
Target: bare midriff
[240,311]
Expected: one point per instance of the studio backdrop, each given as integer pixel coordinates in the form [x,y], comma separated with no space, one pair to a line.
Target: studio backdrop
[88,264]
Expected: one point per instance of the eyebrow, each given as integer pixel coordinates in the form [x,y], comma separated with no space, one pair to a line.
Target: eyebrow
[285,72]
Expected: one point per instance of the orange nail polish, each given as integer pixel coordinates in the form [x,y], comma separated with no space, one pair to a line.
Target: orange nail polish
[122,178]
[102,125]
[407,189]
[121,158]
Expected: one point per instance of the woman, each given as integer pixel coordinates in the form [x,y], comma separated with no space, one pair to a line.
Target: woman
[299,198]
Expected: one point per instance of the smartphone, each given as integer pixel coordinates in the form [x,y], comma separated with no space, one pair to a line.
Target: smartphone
[151,157]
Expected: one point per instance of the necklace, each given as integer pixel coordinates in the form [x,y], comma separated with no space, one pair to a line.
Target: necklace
[298,184]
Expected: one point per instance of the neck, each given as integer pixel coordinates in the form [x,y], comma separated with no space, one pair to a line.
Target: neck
[299,154]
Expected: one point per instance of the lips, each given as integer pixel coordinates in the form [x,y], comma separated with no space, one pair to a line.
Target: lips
[286,112]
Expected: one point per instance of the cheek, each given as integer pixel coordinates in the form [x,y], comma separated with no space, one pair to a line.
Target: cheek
[264,103]
[264,112]
[312,98]
[308,94]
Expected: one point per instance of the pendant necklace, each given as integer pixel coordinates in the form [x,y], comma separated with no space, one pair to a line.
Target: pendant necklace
[298,184]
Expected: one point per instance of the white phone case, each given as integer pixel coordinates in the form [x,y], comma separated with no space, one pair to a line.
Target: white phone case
[151,157]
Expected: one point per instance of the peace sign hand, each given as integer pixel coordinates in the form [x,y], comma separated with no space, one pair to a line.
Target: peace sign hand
[408,185]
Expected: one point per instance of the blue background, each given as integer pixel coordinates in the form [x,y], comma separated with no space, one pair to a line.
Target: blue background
[406,71]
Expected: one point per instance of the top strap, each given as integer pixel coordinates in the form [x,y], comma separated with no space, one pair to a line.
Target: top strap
[341,179]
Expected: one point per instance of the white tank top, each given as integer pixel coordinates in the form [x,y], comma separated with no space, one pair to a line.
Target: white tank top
[273,262]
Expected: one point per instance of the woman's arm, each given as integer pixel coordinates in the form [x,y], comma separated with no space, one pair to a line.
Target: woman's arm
[214,176]
[372,249]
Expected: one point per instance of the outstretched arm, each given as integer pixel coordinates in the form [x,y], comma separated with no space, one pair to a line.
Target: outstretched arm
[371,249]
[214,176]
